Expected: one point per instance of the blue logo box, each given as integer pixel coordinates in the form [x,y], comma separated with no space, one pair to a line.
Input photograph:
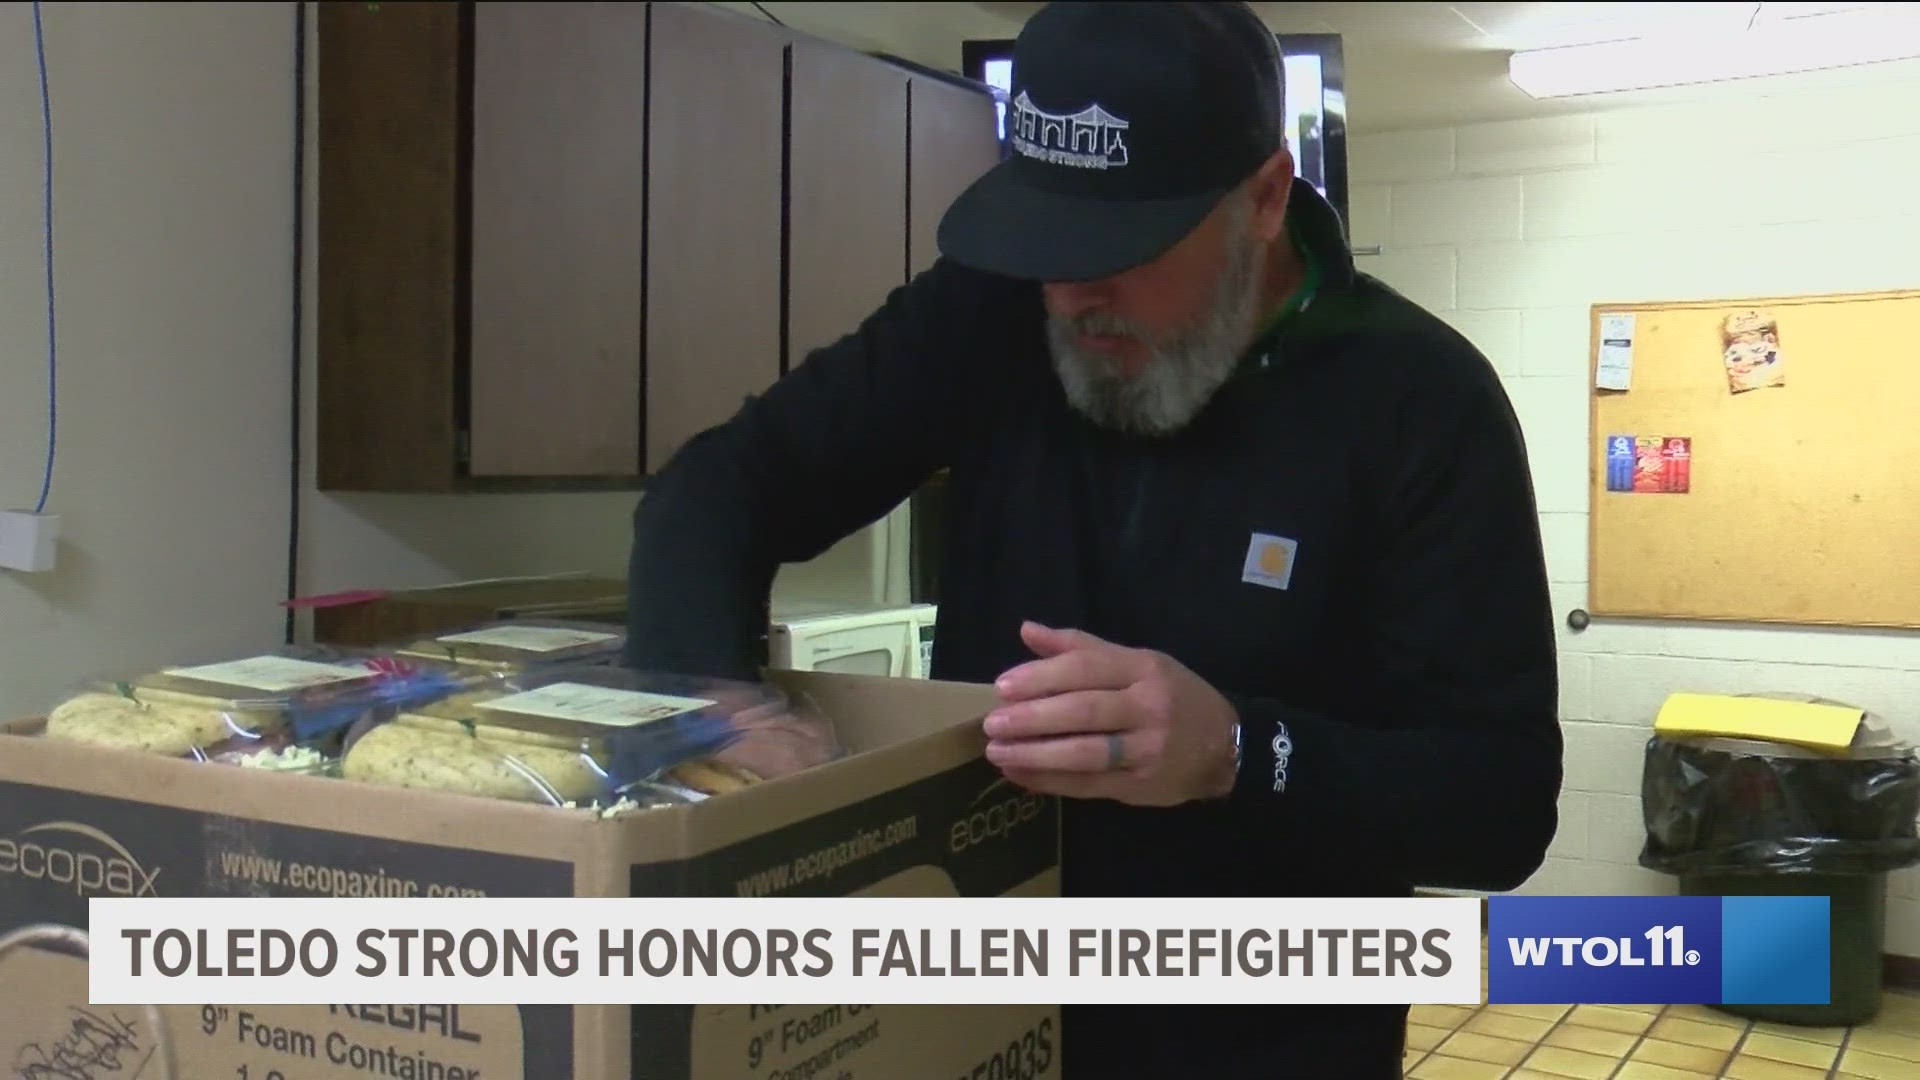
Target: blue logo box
[1659,950]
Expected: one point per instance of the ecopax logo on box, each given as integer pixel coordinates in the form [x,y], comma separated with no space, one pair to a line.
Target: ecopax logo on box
[1658,950]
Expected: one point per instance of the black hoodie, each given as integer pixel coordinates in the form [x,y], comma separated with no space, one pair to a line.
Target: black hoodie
[1392,658]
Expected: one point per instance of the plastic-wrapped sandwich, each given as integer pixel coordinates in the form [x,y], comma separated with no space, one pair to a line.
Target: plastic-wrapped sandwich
[246,711]
[594,734]
[517,645]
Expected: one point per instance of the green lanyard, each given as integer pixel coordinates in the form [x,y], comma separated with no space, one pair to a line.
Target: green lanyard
[1296,301]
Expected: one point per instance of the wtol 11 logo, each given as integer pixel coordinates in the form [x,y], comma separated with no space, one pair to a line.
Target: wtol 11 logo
[1659,950]
[1665,945]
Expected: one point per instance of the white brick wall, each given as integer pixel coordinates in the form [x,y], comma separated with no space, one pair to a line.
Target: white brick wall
[1509,231]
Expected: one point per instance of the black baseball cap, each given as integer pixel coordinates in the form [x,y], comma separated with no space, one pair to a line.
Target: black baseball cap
[1128,122]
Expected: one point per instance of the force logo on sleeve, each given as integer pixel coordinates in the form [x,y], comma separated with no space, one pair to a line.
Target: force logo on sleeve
[1282,757]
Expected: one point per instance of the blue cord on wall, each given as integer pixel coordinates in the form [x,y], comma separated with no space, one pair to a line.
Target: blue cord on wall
[53,386]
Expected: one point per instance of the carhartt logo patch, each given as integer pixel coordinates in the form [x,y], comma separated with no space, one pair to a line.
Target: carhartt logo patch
[1269,561]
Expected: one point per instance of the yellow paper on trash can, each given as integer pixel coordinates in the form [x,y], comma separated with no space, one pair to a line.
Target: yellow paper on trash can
[1824,727]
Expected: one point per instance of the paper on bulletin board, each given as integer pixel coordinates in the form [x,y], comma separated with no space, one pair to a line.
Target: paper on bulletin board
[1615,369]
[1650,464]
[1677,460]
[1751,350]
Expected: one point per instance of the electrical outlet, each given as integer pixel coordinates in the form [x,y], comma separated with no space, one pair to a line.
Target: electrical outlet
[27,540]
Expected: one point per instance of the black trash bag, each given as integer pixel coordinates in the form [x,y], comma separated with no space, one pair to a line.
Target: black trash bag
[1723,804]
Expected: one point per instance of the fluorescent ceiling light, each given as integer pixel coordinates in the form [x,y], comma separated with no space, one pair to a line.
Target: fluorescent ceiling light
[1867,35]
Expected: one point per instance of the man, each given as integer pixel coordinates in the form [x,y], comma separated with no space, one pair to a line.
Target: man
[1246,540]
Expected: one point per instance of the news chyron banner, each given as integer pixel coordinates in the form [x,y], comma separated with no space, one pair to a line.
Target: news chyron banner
[1667,950]
[959,951]
[795,950]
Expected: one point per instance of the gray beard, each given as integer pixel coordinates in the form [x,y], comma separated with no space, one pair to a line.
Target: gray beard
[1185,367]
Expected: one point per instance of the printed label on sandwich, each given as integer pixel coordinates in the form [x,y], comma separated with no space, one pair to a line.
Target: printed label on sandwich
[269,674]
[600,705]
[534,639]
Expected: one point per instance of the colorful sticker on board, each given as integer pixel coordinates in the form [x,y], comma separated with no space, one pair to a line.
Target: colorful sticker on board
[1649,465]
[1619,463]
[1750,348]
[1679,472]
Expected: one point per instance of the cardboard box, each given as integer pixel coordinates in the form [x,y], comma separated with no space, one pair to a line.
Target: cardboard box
[367,619]
[915,811]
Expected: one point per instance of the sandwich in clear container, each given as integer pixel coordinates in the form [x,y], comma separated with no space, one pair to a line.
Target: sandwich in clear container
[594,736]
[254,710]
[516,645]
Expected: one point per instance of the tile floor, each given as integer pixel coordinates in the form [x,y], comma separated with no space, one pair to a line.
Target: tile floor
[1653,1042]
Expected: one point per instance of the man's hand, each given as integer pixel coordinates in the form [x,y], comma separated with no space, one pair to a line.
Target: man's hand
[1094,720]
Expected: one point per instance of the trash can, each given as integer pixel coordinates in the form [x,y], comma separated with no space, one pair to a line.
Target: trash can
[1746,817]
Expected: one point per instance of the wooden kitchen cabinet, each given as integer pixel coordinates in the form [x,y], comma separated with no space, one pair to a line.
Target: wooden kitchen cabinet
[558,240]
[954,141]
[391,298]
[559,118]
[712,311]
[479,246]
[849,192]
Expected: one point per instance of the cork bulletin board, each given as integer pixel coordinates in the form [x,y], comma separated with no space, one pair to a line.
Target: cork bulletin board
[1757,460]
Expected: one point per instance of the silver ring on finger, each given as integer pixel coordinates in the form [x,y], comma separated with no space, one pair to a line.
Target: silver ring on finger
[1116,752]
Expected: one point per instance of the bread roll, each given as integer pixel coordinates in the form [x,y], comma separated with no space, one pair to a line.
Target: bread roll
[712,777]
[156,721]
[487,761]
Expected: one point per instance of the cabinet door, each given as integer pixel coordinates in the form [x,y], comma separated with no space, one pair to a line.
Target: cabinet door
[849,192]
[558,125]
[955,141]
[713,219]
[389,240]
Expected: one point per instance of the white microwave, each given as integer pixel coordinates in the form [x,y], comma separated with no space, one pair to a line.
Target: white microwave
[895,642]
